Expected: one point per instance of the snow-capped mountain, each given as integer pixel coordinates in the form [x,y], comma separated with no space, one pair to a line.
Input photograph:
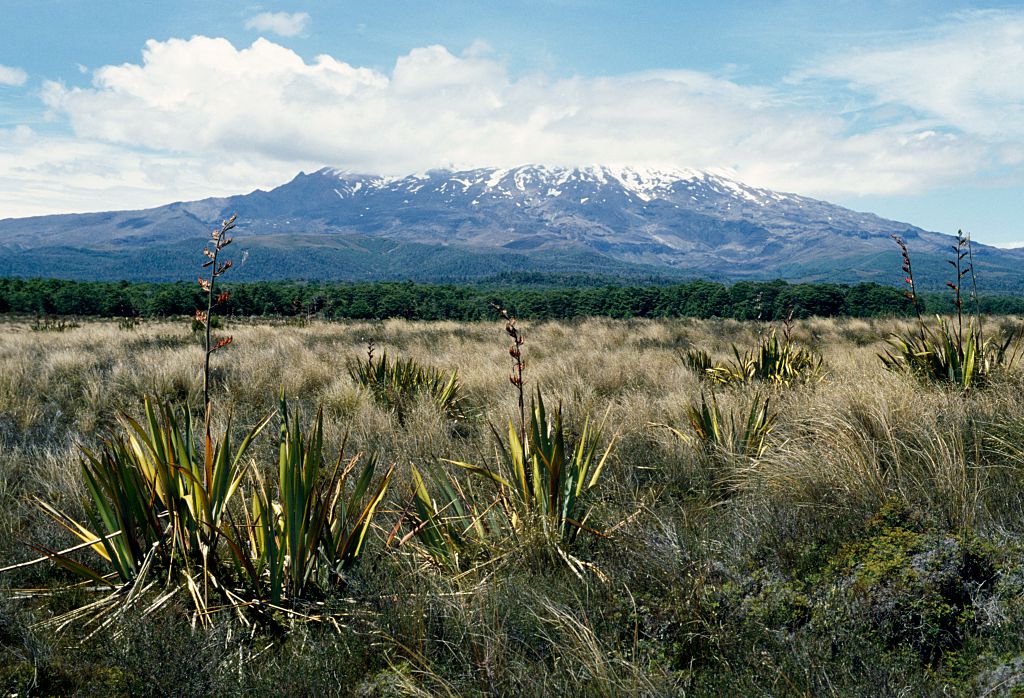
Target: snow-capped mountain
[444,224]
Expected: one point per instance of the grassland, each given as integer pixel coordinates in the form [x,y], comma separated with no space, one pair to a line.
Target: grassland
[873,549]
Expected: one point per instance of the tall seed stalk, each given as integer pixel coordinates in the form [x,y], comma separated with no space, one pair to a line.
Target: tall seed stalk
[516,375]
[952,354]
[974,286]
[908,270]
[217,242]
[960,250]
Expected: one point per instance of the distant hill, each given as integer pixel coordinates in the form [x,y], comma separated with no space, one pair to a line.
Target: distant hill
[442,225]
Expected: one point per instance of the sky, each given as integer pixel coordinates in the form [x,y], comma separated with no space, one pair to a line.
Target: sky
[911,109]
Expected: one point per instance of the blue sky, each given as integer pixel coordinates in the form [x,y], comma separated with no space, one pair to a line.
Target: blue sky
[911,109]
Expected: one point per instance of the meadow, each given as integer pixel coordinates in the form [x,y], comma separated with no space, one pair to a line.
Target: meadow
[865,541]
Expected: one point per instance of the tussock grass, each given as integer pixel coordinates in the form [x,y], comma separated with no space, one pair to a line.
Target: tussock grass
[697,593]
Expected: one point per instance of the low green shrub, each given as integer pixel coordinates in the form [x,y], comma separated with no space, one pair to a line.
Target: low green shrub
[948,353]
[772,360]
[542,479]
[395,384]
[162,505]
[915,590]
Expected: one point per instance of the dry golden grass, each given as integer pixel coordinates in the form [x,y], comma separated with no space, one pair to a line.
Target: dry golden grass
[856,430]
[841,449]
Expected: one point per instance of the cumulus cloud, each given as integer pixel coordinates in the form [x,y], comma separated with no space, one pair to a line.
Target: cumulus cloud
[281,23]
[13,77]
[204,113]
[436,108]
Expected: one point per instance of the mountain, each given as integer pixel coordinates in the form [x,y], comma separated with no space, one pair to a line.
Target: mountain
[445,225]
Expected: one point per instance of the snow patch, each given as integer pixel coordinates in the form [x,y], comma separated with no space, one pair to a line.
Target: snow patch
[495,178]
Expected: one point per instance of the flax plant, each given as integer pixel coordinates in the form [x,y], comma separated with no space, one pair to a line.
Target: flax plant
[542,486]
[162,502]
[318,524]
[729,438]
[772,360]
[952,355]
[516,375]
[743,433]
[544,479]
[541,481]
[452,528]
[395,383]
[153,490]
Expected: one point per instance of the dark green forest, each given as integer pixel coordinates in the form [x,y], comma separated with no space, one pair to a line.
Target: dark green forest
[564,297]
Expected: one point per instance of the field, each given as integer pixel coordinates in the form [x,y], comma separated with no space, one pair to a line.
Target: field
[873,548]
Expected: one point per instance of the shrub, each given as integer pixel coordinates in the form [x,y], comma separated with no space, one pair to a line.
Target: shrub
[155,493]
[743,433]
[396,383]
[317,525]
[542,487]
[452,527]
[916,589]
[542,479]
[947,353]
[162,504]
[772,360]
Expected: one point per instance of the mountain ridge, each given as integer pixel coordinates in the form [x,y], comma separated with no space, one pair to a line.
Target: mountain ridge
[624,219]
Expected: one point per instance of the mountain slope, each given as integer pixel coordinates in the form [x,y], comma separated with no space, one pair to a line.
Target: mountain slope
[445,225]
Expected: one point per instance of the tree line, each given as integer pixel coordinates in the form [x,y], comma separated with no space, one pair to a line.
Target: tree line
[745,300]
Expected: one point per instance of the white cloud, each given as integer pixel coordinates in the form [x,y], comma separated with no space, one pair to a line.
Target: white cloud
[45,174]
[200,116]
[203,95]
[967,74]
[13,77]
[281,23]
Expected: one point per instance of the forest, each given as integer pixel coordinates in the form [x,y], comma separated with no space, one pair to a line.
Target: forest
[529,296]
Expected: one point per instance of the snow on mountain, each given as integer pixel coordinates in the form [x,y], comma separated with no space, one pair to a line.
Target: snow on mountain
[677,220]
[645,183]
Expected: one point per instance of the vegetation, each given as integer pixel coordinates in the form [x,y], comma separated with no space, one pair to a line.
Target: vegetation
[396,384]
[534,298]
[849,531]
[878,528]
[161,506]
[204,318]
[542,485]
[744,435]
[947,352]
[540,480]
[317,526]
[156,496]
[780,362]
